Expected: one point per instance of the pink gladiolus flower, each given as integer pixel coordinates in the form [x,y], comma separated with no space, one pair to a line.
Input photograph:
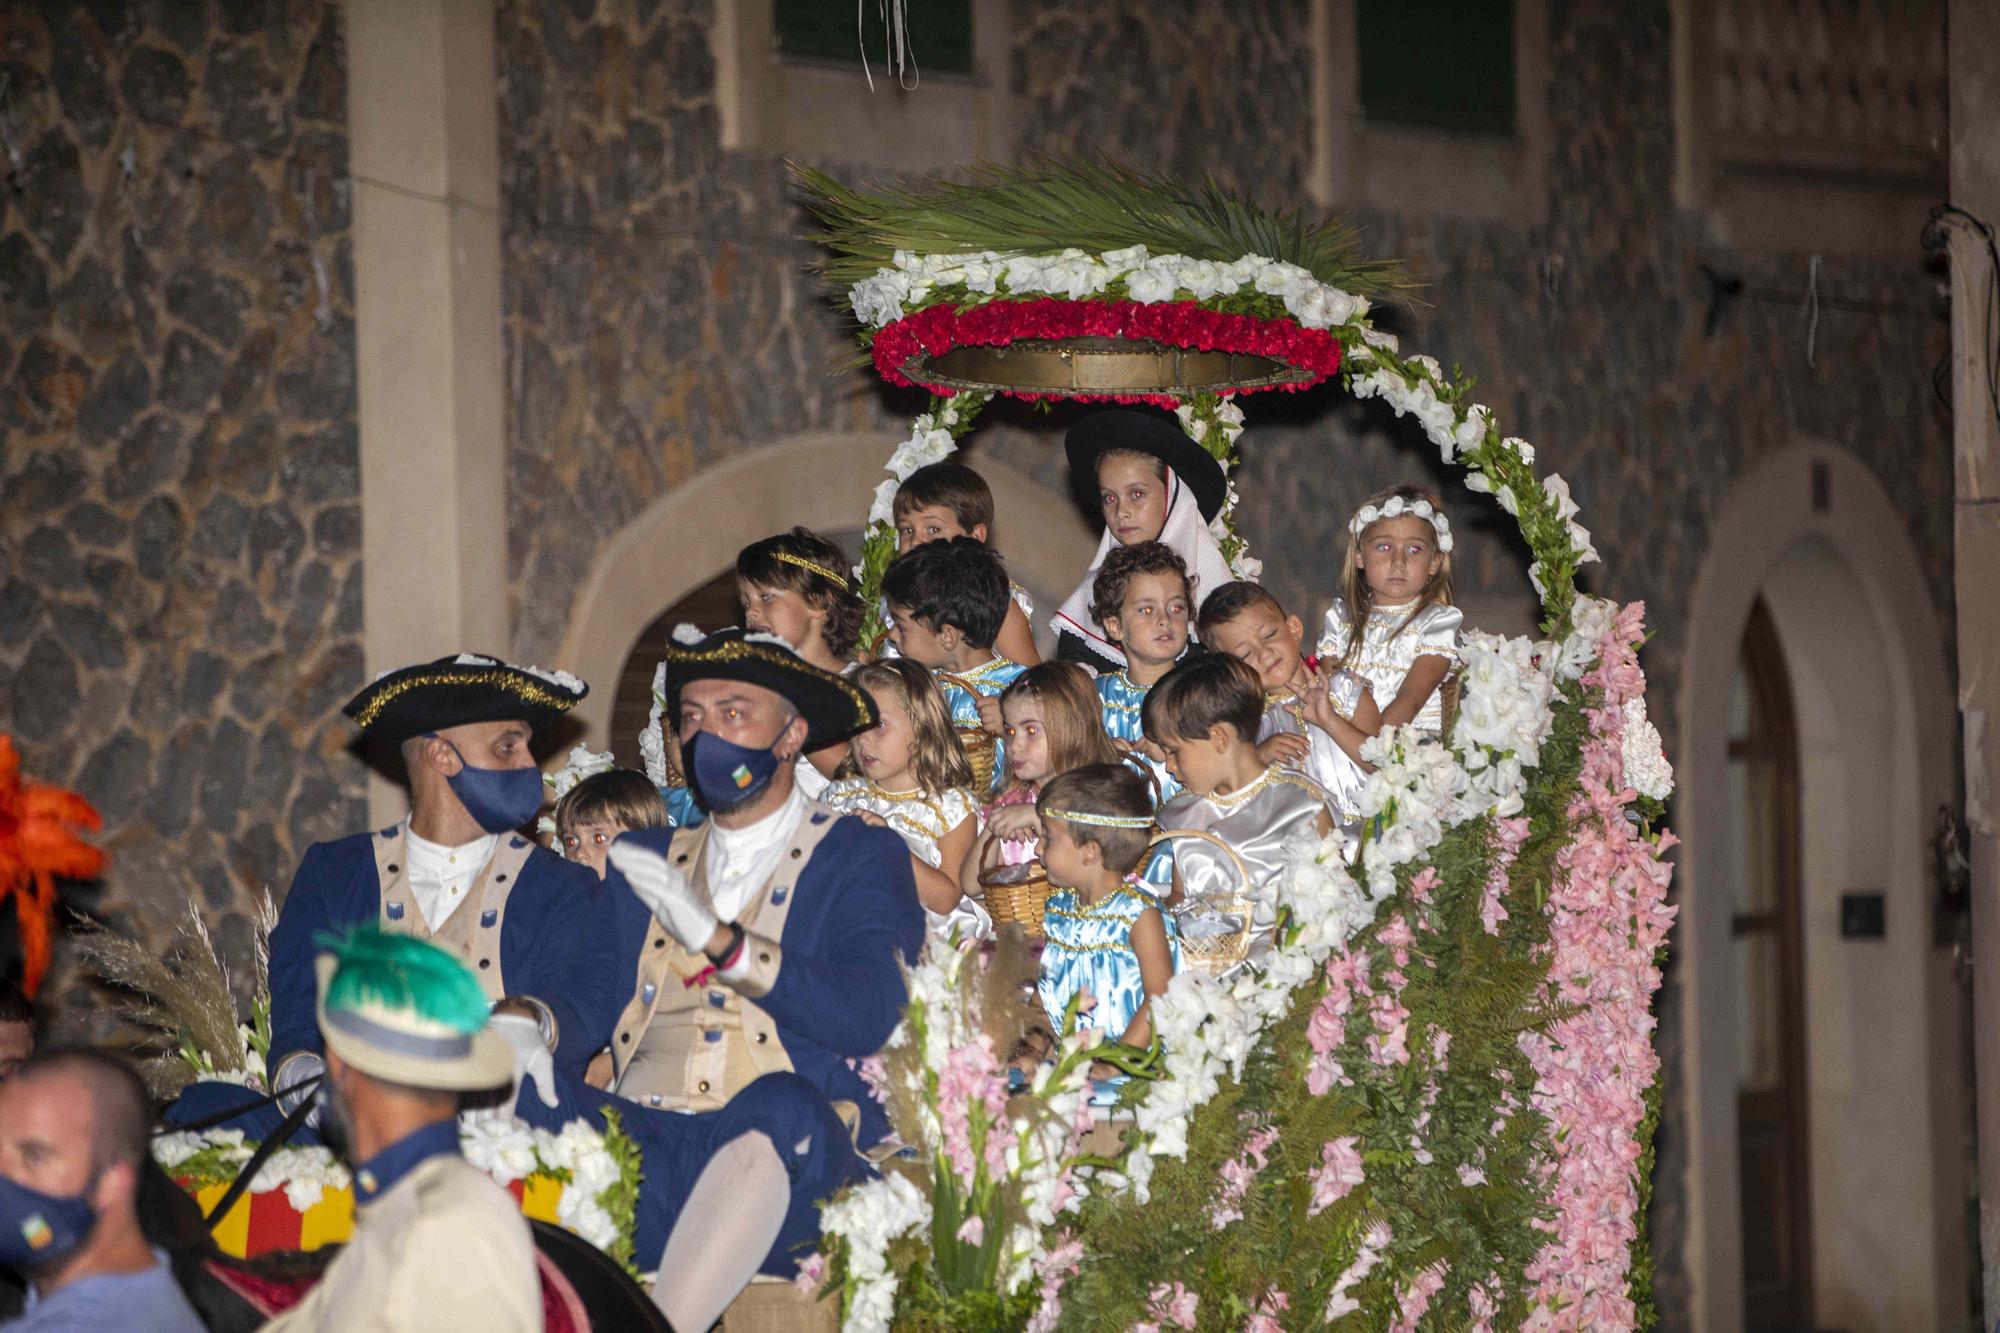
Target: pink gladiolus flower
[812,1271]
[1339,1171]
[972,1231]
[1173,1305]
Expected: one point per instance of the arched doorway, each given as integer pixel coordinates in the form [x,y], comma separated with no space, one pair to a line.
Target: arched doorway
[689,537]
[1773,1123]
[1827,1155]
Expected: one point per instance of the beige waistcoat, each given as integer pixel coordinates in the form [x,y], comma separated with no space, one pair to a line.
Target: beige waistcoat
[471,933]
[688,1041]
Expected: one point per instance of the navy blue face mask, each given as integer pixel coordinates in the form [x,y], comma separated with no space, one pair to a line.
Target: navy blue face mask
[39,1231]
[498,799]
[724,774]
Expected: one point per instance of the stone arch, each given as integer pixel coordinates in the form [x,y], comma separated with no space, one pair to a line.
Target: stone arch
[1813,532]
[823,480]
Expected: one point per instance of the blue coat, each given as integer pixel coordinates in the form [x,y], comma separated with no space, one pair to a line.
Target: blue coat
[839,992]
[554,915]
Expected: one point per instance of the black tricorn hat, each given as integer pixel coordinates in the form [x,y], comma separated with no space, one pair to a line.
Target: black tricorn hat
[1146,432]
[455,691]
[834,707]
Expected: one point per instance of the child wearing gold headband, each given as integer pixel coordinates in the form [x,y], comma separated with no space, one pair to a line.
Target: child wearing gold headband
[1108,941]
[796,585]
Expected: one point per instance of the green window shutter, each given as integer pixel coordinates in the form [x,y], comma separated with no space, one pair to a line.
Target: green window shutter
[940,32]
[1437,64]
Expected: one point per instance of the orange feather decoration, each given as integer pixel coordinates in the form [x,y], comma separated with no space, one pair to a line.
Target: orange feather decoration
[37,844]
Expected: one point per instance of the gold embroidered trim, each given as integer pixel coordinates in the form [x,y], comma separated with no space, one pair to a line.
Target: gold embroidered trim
[526,691]
[737,650]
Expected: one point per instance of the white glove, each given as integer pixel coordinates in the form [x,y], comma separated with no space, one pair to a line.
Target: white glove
[675,903]
[532,1063]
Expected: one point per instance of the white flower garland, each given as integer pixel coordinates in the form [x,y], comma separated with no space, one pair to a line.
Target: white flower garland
[507,1150]
[653,740]
[1395,507]
[1148,278]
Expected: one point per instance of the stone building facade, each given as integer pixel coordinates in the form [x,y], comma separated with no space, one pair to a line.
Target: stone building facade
[180,536]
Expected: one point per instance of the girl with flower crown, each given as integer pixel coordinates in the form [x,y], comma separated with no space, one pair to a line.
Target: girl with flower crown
[1394,624]
[909,773]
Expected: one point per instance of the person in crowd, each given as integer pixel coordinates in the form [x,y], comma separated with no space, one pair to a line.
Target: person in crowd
[947,601]
[437,1244]
[456,871]
[947,499]
[1110,949]
[17,1027]
[592,814]
[1394,625]
[1204,714]
[589,818]
[908,773]
[795,585]
[1316,715]
[765,946]
[75,1129]
[1052,727]
[1144,601]
[1151,483]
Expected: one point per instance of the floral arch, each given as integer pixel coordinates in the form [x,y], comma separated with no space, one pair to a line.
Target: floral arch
[1430,1108]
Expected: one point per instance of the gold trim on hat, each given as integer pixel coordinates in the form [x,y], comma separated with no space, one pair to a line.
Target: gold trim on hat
[527,691]
[737,650]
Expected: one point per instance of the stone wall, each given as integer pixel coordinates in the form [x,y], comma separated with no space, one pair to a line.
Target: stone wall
[180,592]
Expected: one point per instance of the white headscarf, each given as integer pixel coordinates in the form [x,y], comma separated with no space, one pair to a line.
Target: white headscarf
[1186,534]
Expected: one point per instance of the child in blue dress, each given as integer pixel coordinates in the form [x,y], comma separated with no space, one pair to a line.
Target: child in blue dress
[1110,947]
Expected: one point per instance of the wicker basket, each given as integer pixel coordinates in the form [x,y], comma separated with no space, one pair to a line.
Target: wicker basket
[1014,895]
[1211,951]
[979,743]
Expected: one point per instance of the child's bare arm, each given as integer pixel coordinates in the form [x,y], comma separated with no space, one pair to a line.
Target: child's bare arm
[1424,677]
[968,868]
[1156,969]
[940,891]
[1016,641]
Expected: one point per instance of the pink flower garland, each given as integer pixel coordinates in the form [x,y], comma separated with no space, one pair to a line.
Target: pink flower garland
[1608,916]
[937,329]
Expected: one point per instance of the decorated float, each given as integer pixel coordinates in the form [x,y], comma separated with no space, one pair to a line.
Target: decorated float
[1431,1107]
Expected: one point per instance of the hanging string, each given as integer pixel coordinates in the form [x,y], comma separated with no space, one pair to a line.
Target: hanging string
[1812,314]
[897,54]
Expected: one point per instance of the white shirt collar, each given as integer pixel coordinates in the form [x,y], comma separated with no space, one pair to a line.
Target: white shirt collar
[741,859]
[440,875]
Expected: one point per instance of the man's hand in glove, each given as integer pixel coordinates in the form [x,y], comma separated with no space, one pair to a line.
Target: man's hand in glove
[531,1054]
[674,901]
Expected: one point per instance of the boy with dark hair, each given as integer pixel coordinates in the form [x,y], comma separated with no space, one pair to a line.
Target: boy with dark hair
[1316,715]
[947,600]
[943,500]
[1142,598]
[1204,714]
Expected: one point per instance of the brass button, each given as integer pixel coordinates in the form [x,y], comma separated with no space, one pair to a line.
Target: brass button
[486,962]
[392,869]
[659,944]
[762,958]
[763,1037]
[797,852]
[701,1086]
[625,1037]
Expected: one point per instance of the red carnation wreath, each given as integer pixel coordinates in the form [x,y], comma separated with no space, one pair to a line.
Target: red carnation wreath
[938,329]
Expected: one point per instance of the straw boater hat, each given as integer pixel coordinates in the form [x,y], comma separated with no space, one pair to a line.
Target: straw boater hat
[457,691]
[833,706]
[408,1013]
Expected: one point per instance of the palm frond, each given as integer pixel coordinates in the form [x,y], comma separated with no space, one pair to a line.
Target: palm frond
[1046,204]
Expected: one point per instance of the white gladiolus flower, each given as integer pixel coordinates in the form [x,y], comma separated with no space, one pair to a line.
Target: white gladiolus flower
[883,508]
[1154,282]
[1646,768]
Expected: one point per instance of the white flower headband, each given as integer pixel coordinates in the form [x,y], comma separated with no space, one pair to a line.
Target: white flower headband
[1395,507]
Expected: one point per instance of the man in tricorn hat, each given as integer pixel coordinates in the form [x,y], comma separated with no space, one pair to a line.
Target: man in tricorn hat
[761,952]
[521,919]
[436,1243]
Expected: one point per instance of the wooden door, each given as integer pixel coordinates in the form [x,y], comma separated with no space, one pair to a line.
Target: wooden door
[1771,1103]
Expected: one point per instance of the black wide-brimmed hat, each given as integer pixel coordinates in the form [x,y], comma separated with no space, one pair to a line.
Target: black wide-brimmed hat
[457,691]
[834,707]
[1145,432]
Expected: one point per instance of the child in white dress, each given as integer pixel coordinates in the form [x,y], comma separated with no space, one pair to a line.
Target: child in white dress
[909,773]
[1394,625]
